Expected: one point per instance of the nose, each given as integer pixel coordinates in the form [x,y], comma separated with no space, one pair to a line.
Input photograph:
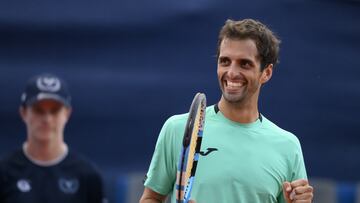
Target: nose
[233,71]
[47,116]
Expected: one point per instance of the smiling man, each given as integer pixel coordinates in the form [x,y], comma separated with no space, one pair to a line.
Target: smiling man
[44,169]
[251,159]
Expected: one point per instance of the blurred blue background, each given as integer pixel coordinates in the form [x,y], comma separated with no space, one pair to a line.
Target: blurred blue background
[131,64]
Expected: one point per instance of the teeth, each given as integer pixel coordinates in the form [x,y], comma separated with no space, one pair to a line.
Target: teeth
[234,84]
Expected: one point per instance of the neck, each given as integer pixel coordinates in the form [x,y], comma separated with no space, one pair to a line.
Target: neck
[241,113]
[47,151]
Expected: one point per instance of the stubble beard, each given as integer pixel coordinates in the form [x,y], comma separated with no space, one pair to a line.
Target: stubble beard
[233,98]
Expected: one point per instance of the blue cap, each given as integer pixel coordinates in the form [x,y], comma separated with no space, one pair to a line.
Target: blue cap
[46,86]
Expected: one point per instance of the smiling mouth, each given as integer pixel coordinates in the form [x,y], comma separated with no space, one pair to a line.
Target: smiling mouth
[234,84]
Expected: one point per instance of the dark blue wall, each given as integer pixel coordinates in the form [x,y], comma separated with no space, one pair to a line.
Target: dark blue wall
[131,64]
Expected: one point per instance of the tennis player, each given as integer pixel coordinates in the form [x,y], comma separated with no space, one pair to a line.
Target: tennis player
[44,169]
[245,157]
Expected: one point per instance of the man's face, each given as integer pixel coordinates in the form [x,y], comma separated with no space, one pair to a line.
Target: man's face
[239,72]
[45,120]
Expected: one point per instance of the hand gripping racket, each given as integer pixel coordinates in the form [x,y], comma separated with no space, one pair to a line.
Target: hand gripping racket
[189,154]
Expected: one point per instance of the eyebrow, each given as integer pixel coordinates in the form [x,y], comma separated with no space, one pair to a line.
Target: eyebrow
[247,60]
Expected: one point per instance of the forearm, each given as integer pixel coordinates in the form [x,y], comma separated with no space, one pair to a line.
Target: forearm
[149,196]
[150,200]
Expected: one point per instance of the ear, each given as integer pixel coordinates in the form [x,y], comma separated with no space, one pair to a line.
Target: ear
[22,112]
[68,112]
[266,74]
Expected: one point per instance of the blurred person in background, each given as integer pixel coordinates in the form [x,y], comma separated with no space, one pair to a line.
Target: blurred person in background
[44,169]
[249,159]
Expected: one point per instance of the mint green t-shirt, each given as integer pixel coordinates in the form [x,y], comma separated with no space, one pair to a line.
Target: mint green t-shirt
[240,163]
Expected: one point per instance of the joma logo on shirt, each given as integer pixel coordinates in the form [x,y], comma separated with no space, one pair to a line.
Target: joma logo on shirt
[209,150]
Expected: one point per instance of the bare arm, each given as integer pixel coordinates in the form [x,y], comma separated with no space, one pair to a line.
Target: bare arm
[150,196]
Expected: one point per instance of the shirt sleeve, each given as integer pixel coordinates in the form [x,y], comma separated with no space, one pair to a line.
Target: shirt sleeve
[298,170]
[161,175]
[95,186]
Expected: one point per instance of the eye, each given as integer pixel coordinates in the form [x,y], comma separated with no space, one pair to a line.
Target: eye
[55,110]
[224,61]
[37,110]
[246,64]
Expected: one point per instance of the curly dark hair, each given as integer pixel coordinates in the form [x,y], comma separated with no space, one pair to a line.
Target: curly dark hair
[267,43]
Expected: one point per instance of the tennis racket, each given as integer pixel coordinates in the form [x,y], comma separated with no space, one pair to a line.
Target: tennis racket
[189,154]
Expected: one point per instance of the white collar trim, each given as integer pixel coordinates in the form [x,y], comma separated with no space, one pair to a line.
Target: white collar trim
[46,163]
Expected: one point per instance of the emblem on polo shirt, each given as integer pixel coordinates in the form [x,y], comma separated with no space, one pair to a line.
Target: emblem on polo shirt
[46,83]
[69,186]
[23,185]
